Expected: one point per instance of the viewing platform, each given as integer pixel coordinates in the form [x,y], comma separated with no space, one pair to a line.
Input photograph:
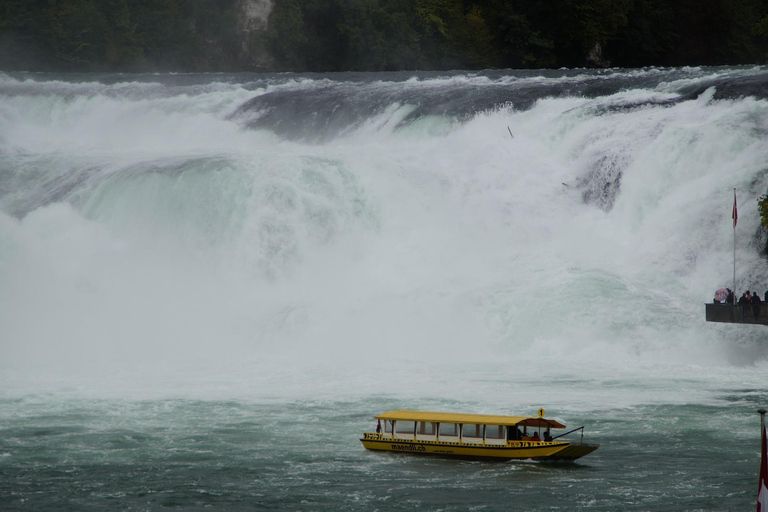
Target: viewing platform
[728,314]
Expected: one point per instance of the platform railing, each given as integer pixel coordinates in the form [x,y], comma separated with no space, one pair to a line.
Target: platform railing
[730,314]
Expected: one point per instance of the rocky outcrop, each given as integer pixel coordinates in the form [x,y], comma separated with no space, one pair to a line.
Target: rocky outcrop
[595,58]
[252,29]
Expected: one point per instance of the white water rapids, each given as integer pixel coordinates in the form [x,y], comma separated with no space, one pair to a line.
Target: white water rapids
[155,239]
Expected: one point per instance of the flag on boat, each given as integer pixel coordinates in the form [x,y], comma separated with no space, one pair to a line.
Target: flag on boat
[735,214]
[762,488]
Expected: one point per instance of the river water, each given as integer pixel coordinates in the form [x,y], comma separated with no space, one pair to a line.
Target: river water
[210,284]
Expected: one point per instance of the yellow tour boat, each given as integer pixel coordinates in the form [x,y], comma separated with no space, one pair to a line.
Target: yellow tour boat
[473,436]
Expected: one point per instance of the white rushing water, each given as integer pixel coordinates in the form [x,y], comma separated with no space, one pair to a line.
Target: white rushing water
[153,244]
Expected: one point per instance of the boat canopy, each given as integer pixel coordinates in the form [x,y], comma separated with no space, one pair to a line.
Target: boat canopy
[483,419]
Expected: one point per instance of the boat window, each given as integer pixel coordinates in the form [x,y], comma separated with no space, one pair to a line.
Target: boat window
[404,427]
[426,428]
[514,433]
[494,432]
[388,426]
[449,429]
[472,430]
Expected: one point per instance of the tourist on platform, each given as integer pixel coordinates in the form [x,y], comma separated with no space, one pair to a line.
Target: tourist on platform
[756,304]
[743,301]
[731,298]
[745,304]
[720,296]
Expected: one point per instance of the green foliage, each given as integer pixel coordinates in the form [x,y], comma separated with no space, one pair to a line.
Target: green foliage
[287,18]
[378,35]
[649,35]
[118,35]
[366,26]
[78,32]
[762,208]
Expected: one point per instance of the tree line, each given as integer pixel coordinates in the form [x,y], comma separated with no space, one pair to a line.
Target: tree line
[379,35]
[118,35]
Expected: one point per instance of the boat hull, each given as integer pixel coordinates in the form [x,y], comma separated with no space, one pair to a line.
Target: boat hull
[571,453]
[514,450]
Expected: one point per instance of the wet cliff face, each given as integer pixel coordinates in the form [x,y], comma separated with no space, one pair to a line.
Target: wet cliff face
[252,29]
[240,40]
[256,12]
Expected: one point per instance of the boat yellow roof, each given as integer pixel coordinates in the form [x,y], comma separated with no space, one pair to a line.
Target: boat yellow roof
[483,419]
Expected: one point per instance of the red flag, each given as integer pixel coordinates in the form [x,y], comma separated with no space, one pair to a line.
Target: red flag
[762,488]
[735,214]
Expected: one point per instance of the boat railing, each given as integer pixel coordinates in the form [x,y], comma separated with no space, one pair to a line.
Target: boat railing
[581,441]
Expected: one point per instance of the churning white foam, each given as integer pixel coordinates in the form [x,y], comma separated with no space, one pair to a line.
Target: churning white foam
[192,240]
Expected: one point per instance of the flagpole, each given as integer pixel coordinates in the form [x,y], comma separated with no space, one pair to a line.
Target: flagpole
[735,217]
[762,489]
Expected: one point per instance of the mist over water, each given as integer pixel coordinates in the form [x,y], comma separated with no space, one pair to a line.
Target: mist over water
[294,243]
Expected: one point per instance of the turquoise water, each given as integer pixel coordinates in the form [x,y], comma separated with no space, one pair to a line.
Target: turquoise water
[189,454]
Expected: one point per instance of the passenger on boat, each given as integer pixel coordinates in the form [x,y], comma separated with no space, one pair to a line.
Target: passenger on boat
[535,437]
[378,426]
[547,436]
